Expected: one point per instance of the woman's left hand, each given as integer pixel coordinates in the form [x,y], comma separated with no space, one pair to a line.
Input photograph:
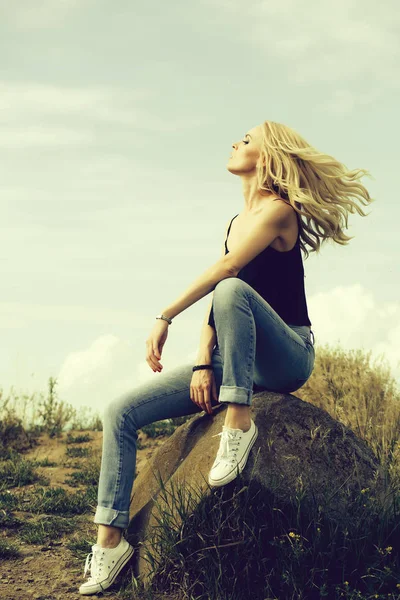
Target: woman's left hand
[155,343]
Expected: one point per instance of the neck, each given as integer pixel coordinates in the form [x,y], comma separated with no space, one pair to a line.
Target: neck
[254,200]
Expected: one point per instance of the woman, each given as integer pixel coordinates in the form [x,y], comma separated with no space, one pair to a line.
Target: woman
[257,331]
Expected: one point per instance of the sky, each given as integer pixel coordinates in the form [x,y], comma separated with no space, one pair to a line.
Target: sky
[117,120]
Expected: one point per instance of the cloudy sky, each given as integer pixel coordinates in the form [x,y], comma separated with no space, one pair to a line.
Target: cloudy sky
[116,123]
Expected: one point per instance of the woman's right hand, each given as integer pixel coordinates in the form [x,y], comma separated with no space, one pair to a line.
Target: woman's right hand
[203,388]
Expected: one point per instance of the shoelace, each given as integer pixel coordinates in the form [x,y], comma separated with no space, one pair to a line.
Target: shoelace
[228,439]
[94,564]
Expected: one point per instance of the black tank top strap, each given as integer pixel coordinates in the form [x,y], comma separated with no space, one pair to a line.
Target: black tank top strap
[227,235]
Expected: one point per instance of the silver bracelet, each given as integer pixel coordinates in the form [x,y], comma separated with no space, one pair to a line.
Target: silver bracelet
[164,318]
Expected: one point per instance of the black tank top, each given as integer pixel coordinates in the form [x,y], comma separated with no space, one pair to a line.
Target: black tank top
[279,278]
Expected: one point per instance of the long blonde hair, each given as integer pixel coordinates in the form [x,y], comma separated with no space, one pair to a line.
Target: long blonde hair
[318,187]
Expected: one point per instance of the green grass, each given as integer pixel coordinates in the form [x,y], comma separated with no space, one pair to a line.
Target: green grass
[8,520]
[45,462]
[239,541]
[58,501]
[88,474]
[217,544]
[78,452]
[19,472]
[46,529]
[8,550]
[8,501]
[78,439]
[160,428]
[80,547]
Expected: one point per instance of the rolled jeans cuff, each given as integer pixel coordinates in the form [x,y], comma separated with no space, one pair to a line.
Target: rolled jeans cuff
[111,516]
[235,394]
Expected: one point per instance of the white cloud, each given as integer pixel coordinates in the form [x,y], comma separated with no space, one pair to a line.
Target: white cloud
[18,314]
[344,101]
[45,135]
[349,316]
[33,114]
[98,374]
[352,317]
[94,376]
[110,104]
[26,15]
[350,45]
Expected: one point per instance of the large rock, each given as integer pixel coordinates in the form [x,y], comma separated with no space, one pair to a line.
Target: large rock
[299,447]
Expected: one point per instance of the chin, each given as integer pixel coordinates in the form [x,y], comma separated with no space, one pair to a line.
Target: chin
[233,170]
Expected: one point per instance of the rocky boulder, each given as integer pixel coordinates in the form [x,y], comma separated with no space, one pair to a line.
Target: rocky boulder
[300,448]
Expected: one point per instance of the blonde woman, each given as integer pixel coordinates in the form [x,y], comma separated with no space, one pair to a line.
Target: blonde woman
[257,330]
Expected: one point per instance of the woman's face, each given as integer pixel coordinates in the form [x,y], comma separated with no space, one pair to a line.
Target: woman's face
[246,152]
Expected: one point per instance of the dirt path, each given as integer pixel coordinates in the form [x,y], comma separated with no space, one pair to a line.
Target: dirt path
[52,572]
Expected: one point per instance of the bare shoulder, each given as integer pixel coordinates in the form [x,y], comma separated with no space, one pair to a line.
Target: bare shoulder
[282,214]
[279,210]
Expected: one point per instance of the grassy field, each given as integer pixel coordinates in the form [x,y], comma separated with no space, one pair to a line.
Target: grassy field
[49,469]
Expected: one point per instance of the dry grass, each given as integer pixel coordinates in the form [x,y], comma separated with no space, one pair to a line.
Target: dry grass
[218,554]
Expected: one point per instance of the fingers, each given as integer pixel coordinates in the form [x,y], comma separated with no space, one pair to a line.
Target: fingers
[193,395]
[207,401]
[152,359]
[153,363]
[201,398]
[196,399]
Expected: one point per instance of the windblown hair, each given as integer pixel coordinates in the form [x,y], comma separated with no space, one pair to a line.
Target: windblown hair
[318,187]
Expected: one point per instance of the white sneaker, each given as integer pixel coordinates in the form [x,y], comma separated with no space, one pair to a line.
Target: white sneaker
[104,565]
[232,455]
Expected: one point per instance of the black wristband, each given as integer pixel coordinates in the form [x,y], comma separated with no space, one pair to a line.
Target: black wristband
[197,367]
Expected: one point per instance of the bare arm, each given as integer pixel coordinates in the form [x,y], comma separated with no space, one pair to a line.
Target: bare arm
[208,336]
[203,285]
[263,232]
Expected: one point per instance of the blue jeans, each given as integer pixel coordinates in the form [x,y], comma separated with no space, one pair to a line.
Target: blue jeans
[256,350]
